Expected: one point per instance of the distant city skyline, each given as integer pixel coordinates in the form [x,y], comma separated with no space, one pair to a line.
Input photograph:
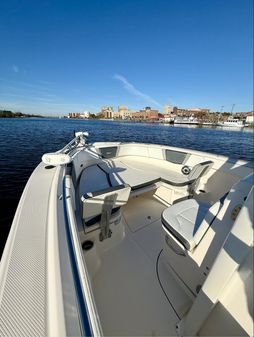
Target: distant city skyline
[75,56]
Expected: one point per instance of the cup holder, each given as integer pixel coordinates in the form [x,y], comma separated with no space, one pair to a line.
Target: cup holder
[87,245]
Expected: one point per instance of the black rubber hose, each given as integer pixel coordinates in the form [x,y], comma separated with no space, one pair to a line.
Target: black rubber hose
[157,272]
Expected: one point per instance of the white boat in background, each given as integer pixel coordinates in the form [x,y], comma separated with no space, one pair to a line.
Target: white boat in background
[186,120]
[129,239]
[232,122]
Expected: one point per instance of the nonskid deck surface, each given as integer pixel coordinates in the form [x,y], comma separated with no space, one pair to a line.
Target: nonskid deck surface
[142,211]
[128,295]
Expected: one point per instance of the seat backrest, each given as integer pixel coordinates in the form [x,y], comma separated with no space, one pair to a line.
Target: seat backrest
[92,203]
[200,169]
[225,211]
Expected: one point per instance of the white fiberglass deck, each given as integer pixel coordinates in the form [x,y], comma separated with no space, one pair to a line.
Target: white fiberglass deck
[128,295]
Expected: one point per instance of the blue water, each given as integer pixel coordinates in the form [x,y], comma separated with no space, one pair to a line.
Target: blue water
[23,141]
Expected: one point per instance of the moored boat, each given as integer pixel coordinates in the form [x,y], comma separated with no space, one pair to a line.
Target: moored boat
[232,122]
[186,120]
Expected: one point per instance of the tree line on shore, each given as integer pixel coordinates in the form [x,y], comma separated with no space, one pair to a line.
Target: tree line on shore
[11,114]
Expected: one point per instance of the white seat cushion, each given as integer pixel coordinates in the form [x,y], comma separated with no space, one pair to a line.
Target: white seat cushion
[138,173]
[135,173]
[167,175]
[184,219]
[119,173]
[94,188]
[92,179]
[189,220]
[94,203]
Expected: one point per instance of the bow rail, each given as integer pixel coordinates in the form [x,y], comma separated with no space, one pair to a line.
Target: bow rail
[63,156]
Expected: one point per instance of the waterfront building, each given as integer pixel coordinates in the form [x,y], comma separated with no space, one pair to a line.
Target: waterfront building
[124,112]
[107,112]
[85,114]
[199,110]
[74,115]
[152,115]
[146,114]
[190,112]
[167,109]
[250,118]
[137,115]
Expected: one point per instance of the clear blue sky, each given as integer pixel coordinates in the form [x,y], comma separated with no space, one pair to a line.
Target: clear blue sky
[75,55]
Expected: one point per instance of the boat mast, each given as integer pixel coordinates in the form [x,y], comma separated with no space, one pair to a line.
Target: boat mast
[233,105]
[221,110]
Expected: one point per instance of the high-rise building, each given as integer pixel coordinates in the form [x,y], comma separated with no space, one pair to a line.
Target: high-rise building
[85,114]
[74,115]
[123,112]
[107,111]
[167,109]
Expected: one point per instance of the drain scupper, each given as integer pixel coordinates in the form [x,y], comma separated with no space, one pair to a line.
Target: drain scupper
[87,245]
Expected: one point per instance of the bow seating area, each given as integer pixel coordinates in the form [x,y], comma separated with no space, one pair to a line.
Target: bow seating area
[123,175]
[136,174]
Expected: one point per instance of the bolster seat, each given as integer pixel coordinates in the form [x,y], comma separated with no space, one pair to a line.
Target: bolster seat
[188,221]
